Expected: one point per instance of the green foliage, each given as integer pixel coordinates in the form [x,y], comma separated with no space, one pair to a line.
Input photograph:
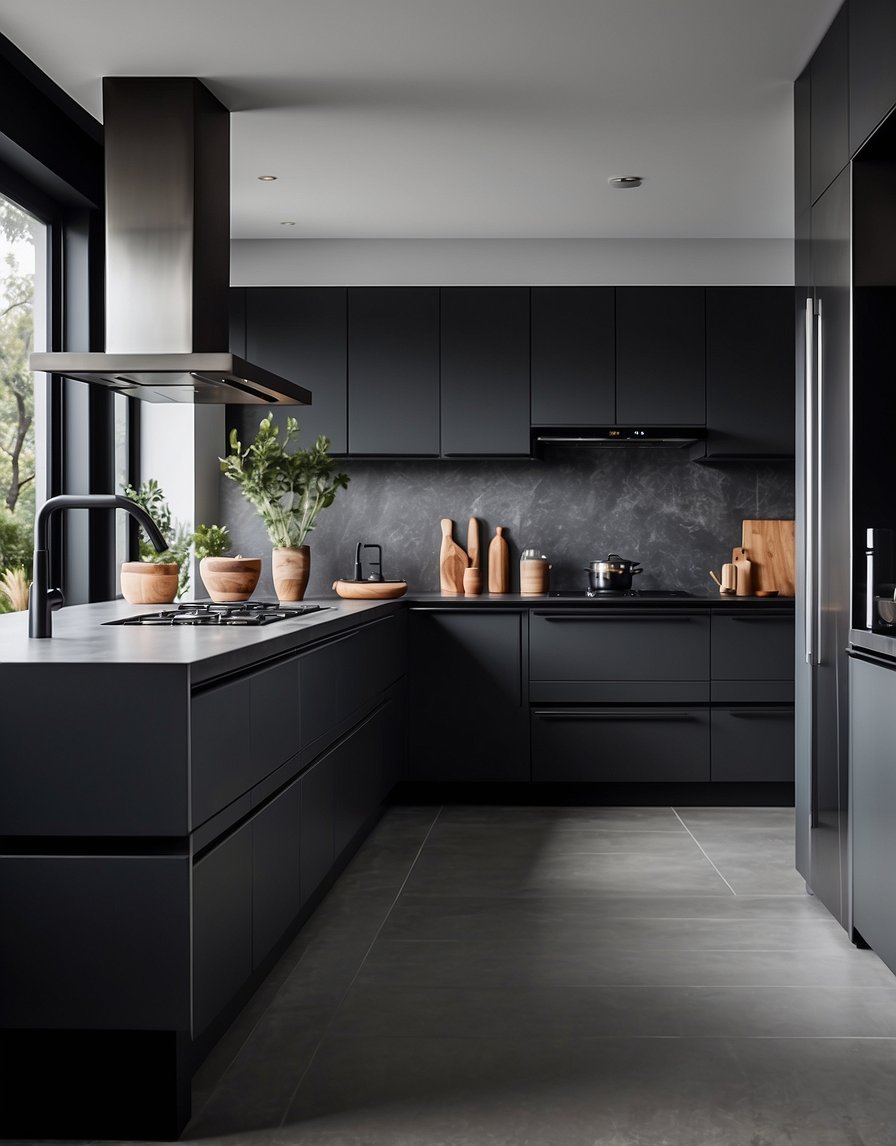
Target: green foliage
[151,498]
[288,489]
[15,542]
[211,541]
[17,455]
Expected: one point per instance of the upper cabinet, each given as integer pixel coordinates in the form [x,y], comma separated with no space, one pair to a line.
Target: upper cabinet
[749,372]
[660,356]
[299,332]
[829,104]
[573,356]
[872,74]
[802,143]
[485,371]
[393,371]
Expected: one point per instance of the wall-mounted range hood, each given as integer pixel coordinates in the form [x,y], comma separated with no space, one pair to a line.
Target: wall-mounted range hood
[167,147]
[615,437]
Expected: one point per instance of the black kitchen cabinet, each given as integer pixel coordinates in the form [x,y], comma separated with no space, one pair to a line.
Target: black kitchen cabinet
[222,925]
[573,356]
[873,734]
[276,870]
[749,372]
[620,745]
[318,805]
[220,759]
[299,332]
[468,719]
[752,656]
[872,76]
[802,141]
[485,371]
[274,717]
[829,104]
[752,743]
[660,356]
[393,371]
[359,779]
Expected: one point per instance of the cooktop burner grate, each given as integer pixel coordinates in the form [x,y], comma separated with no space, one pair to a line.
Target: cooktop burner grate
[616,594]
[202,614]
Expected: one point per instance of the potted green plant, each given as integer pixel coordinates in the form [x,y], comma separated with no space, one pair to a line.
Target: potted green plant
[289,490]
[157,578]
[225,578]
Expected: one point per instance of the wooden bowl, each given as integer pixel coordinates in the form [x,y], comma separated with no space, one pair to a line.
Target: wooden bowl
[230,579]
[370,590]
[143,583]
[766,593]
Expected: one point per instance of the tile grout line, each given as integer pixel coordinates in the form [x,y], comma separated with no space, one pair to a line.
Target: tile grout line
[379,929]
[700,846]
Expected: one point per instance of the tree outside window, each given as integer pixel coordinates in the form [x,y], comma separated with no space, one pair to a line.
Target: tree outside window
[18,235]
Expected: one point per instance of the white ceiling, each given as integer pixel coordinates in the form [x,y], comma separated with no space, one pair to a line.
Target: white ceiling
[470,118]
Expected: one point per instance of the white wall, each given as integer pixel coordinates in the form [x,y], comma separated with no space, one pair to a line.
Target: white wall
[512,262]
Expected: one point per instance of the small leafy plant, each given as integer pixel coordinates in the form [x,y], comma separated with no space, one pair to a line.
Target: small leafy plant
[211,541]
[288,489]
[151,498]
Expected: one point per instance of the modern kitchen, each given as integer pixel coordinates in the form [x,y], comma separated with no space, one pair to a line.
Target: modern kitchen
[447,572]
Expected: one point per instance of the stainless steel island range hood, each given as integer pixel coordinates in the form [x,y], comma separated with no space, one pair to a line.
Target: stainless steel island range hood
[167,148]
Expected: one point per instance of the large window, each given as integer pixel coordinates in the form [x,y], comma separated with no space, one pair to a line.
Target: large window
[23,293]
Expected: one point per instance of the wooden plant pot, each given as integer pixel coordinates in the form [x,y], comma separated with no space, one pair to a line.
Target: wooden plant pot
[143,583]
[228,579]
[290,569]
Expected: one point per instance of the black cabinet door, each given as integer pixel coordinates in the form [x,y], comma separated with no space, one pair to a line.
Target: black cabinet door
[359,778]
[619,745]
[393,370]
[573,356]
[317,813]
[829,117]
[660,356]
[802,141]
[755,646]
[220,758]
[749,372]
[872,76]
[753,743]
[299,332]
[873,721]
[276,881]
[467,714]
[222,925]
[485,370]
[273,717]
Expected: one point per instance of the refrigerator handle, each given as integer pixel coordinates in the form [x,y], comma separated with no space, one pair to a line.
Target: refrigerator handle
[809,486]
[819,470]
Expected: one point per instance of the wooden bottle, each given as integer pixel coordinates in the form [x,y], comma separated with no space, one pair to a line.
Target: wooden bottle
[499,563]
[452,562]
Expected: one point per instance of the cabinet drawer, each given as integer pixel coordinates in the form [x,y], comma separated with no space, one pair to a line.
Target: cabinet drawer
[276,884]
[753,646]
[220,760]
[620,745]
[605,646]
[274,717]
[752,744]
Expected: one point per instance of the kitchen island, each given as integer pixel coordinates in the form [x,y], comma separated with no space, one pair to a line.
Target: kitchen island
[177,801]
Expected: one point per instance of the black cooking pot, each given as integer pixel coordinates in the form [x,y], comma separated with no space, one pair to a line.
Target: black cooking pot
[613,574]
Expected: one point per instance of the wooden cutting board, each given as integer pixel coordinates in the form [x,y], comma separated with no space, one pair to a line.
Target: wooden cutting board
[452,562]
[771,548]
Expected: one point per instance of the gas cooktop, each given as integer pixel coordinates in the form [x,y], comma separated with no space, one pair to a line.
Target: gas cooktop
[206,614]
[615,594]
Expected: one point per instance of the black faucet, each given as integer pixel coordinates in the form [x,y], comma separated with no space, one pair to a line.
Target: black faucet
[359,576]
[42,600]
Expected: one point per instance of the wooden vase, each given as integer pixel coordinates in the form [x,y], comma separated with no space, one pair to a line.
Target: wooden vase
[290,568]
[229,579]
[144,583]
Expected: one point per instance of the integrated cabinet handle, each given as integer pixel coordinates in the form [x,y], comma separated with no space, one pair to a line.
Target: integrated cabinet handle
[751,713]
[819,470]
[611,714]
[600,615]
[757,616]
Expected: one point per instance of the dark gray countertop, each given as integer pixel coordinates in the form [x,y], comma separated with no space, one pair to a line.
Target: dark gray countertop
[81,637]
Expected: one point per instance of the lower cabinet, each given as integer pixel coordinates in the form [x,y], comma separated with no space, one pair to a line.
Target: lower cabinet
[316,846]
[619,745]
[753,743]
[222,925]
[467,708]
[276,870]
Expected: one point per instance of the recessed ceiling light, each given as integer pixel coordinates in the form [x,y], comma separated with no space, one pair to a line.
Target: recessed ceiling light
[267,178]
[625,181]
[287,222]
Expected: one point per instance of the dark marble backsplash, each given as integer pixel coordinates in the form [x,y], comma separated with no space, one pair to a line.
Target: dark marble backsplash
[678,517]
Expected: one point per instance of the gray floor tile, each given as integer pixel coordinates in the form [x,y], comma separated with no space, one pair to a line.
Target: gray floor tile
[633,1012]
[532,964]
[322,976]
[458,873]
[619,819]
[739,819]
[543,841]
[600,1092]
